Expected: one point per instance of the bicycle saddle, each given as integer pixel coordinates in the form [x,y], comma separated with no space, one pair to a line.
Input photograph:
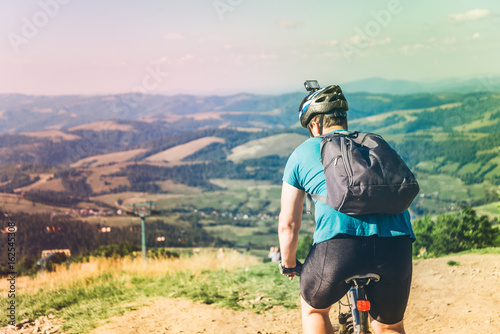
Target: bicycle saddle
[363,279]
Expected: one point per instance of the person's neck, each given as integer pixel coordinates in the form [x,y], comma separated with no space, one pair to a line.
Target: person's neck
[333,128]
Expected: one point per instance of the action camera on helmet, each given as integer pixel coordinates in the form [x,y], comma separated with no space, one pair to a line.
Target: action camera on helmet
[311,85]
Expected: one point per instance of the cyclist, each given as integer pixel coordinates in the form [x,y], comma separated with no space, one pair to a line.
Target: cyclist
[343,245]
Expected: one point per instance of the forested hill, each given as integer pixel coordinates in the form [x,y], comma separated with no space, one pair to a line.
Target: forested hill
[455,148]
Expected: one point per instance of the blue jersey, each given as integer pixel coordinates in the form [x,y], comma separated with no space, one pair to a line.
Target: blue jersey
[304,171]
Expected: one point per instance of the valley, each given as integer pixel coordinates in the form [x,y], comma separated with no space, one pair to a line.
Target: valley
[216,164]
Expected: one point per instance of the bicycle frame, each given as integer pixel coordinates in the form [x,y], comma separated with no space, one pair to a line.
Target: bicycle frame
[359,305]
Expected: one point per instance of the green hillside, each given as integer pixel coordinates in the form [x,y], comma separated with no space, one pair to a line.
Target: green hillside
[453,148]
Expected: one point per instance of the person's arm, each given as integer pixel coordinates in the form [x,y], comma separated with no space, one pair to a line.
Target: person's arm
[290,219]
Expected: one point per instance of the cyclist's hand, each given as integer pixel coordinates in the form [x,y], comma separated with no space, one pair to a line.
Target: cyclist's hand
[291,272]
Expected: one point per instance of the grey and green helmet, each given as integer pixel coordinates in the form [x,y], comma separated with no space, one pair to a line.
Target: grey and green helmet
[329,101]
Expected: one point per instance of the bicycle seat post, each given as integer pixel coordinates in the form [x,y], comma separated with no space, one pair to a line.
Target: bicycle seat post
[359,301]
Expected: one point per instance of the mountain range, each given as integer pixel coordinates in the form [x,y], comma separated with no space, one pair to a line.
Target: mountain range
[26,113]
[484,83]
[87,146]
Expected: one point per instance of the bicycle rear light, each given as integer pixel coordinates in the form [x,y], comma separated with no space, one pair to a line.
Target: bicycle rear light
[363,305]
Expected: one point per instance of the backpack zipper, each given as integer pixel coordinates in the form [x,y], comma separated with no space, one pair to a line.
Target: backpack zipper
[346,159]
[335,160]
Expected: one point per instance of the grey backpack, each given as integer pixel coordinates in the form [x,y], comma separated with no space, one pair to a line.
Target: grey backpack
[364,175]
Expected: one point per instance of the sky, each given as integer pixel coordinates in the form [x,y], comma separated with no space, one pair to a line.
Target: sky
[59,47]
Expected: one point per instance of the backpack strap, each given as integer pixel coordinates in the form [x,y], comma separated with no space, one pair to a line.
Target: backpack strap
[310,197]
[308,203]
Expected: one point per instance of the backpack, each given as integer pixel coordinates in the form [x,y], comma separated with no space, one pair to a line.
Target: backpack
[364,175]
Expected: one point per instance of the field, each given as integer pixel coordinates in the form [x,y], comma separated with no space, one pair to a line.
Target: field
[15,203]
[491,209]
[55,135]
[179,152]
[46,182]
[245,212]
[233,293]
[105,159]
[282,145]
[381,123]
[103,125]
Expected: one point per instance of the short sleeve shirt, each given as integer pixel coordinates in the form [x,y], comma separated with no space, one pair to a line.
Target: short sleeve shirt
[304,171]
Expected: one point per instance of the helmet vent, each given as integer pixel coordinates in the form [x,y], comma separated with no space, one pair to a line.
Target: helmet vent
[321,99]
[333,98]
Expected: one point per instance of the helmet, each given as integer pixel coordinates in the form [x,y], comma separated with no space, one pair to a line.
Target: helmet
[329,101]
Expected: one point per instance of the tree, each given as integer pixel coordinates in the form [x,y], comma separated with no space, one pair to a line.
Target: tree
[305,244]
[450,233]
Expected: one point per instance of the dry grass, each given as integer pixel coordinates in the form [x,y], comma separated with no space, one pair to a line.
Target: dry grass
[55,135]
[104,159]
[16,203]
[46,182]
[82,274]
[179,152]
[104,125]
[281,144]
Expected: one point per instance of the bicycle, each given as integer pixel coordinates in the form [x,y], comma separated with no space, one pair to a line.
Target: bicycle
[356,320]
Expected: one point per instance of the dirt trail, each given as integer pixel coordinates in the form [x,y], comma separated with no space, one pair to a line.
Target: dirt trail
[444,299]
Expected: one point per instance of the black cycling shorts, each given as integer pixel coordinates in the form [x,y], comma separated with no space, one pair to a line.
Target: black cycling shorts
[330,263]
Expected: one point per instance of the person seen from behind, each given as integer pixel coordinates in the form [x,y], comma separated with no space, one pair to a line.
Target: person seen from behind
[344,245]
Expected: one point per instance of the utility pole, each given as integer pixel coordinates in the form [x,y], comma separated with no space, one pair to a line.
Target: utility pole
[144,210]
[143,240]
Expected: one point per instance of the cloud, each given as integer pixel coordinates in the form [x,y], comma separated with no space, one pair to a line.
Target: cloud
[160,61]
[471,15]
[243,59]
[410,48]
[257,56]
[383,41]
[174,35]
[433,43]
[185,58]
[476,35]
[449,40]
[362,41]
[284,24]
